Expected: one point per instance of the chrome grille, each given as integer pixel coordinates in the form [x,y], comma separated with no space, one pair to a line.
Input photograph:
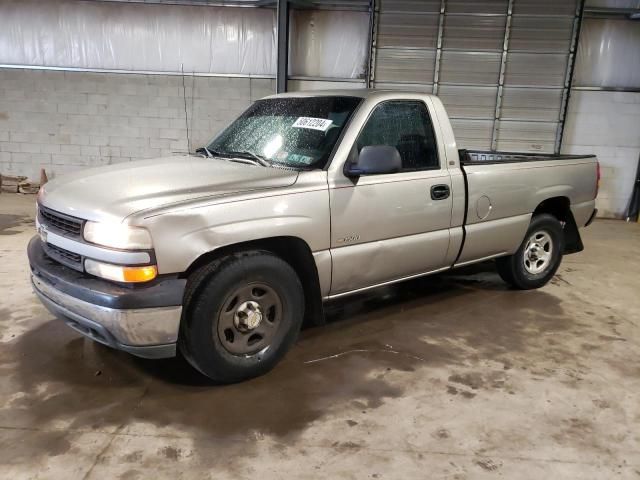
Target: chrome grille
[69,226]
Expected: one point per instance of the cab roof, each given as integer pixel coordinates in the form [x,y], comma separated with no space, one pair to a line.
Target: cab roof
[347,92]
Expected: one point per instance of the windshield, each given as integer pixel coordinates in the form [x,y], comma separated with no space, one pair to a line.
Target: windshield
[298,132]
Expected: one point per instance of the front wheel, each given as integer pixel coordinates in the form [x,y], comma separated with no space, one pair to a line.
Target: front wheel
[242,314]
[539,255]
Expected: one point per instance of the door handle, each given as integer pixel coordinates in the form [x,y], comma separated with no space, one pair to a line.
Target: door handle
[440,192]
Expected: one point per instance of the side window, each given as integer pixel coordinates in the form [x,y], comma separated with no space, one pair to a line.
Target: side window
[405,125]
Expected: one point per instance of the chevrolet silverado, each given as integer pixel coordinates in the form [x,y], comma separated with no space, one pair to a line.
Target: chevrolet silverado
[306,197]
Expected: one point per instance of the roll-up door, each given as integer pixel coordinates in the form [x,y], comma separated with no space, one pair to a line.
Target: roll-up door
[501,67]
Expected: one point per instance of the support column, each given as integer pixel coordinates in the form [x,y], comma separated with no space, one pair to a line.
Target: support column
[373,33]
[568,80]
[503,64]
[436,67]
[282,59]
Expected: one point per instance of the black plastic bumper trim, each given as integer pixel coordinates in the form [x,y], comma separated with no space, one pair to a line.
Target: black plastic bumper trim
[164,291]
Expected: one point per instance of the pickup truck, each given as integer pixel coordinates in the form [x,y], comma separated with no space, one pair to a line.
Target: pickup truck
[306,197]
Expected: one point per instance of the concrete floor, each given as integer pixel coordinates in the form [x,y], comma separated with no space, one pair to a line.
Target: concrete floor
[453,376]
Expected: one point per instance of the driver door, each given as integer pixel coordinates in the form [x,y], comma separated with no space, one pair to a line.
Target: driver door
[392,226]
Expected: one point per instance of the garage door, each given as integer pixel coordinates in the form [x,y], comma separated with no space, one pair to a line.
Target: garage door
[501,67]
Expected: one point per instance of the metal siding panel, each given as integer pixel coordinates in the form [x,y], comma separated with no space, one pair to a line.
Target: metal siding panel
[297,85]
[470,68]
[545,7]
[410,6]
[473,32]
[478,102]
[411,87]
[531,104]
[477,6]
[403,30]
[474,134]
[541,33]
[527,136]
[404,65]
[359,5]
[212,3]
[536,69]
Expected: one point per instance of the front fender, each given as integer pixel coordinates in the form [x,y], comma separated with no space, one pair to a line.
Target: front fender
[182,236]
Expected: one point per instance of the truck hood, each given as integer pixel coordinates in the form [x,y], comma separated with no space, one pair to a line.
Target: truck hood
[113,192]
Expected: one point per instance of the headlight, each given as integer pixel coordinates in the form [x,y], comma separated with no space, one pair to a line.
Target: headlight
[120,273]
[117,235]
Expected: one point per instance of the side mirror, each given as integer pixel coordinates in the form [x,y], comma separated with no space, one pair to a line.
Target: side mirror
[375,160]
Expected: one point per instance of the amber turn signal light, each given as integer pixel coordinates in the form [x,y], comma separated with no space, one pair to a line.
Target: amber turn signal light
[121,273]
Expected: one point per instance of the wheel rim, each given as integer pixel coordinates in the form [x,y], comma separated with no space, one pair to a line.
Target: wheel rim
[249,319]
[538,252]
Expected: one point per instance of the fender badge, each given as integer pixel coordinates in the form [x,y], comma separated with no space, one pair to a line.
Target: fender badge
[350,238]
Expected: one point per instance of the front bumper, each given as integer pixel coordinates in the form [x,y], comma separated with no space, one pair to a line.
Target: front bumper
[143,320]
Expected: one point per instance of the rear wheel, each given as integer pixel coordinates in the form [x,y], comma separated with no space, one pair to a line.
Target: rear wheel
[539,255]
[242,314]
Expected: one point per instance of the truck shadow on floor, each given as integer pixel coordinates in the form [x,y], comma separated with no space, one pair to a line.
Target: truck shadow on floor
[371,348]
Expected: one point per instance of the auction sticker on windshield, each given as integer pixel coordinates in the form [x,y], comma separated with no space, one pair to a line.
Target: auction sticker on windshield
[321,124]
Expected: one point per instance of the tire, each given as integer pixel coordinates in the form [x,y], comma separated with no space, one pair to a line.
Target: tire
[526,269]
[242,314]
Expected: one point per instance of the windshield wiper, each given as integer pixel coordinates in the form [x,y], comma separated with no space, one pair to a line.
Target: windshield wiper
[246,155]
[250,157]
[208,153]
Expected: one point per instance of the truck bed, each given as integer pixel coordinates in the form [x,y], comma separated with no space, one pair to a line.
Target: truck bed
[474,157]
[503,189]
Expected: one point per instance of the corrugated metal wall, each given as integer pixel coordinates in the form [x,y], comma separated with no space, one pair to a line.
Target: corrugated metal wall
[500,66]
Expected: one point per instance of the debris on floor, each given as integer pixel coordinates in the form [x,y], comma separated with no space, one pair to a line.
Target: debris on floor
[28,188]
[9,183]
[17,184]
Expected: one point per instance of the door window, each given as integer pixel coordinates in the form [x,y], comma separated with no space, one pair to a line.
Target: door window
[405,125]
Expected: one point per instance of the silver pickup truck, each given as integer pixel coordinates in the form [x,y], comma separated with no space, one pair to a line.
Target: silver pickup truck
[306,197]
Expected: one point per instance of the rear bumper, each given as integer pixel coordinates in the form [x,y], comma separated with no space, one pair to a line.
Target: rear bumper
[143,321]
[583,213]
[592,217]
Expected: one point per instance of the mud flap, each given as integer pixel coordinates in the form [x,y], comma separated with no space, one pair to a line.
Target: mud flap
[572,240]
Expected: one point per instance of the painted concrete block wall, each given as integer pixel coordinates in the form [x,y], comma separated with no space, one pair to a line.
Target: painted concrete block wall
[608,125]
[65,121]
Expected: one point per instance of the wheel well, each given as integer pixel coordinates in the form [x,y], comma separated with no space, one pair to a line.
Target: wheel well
[292,250]
[560,207]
